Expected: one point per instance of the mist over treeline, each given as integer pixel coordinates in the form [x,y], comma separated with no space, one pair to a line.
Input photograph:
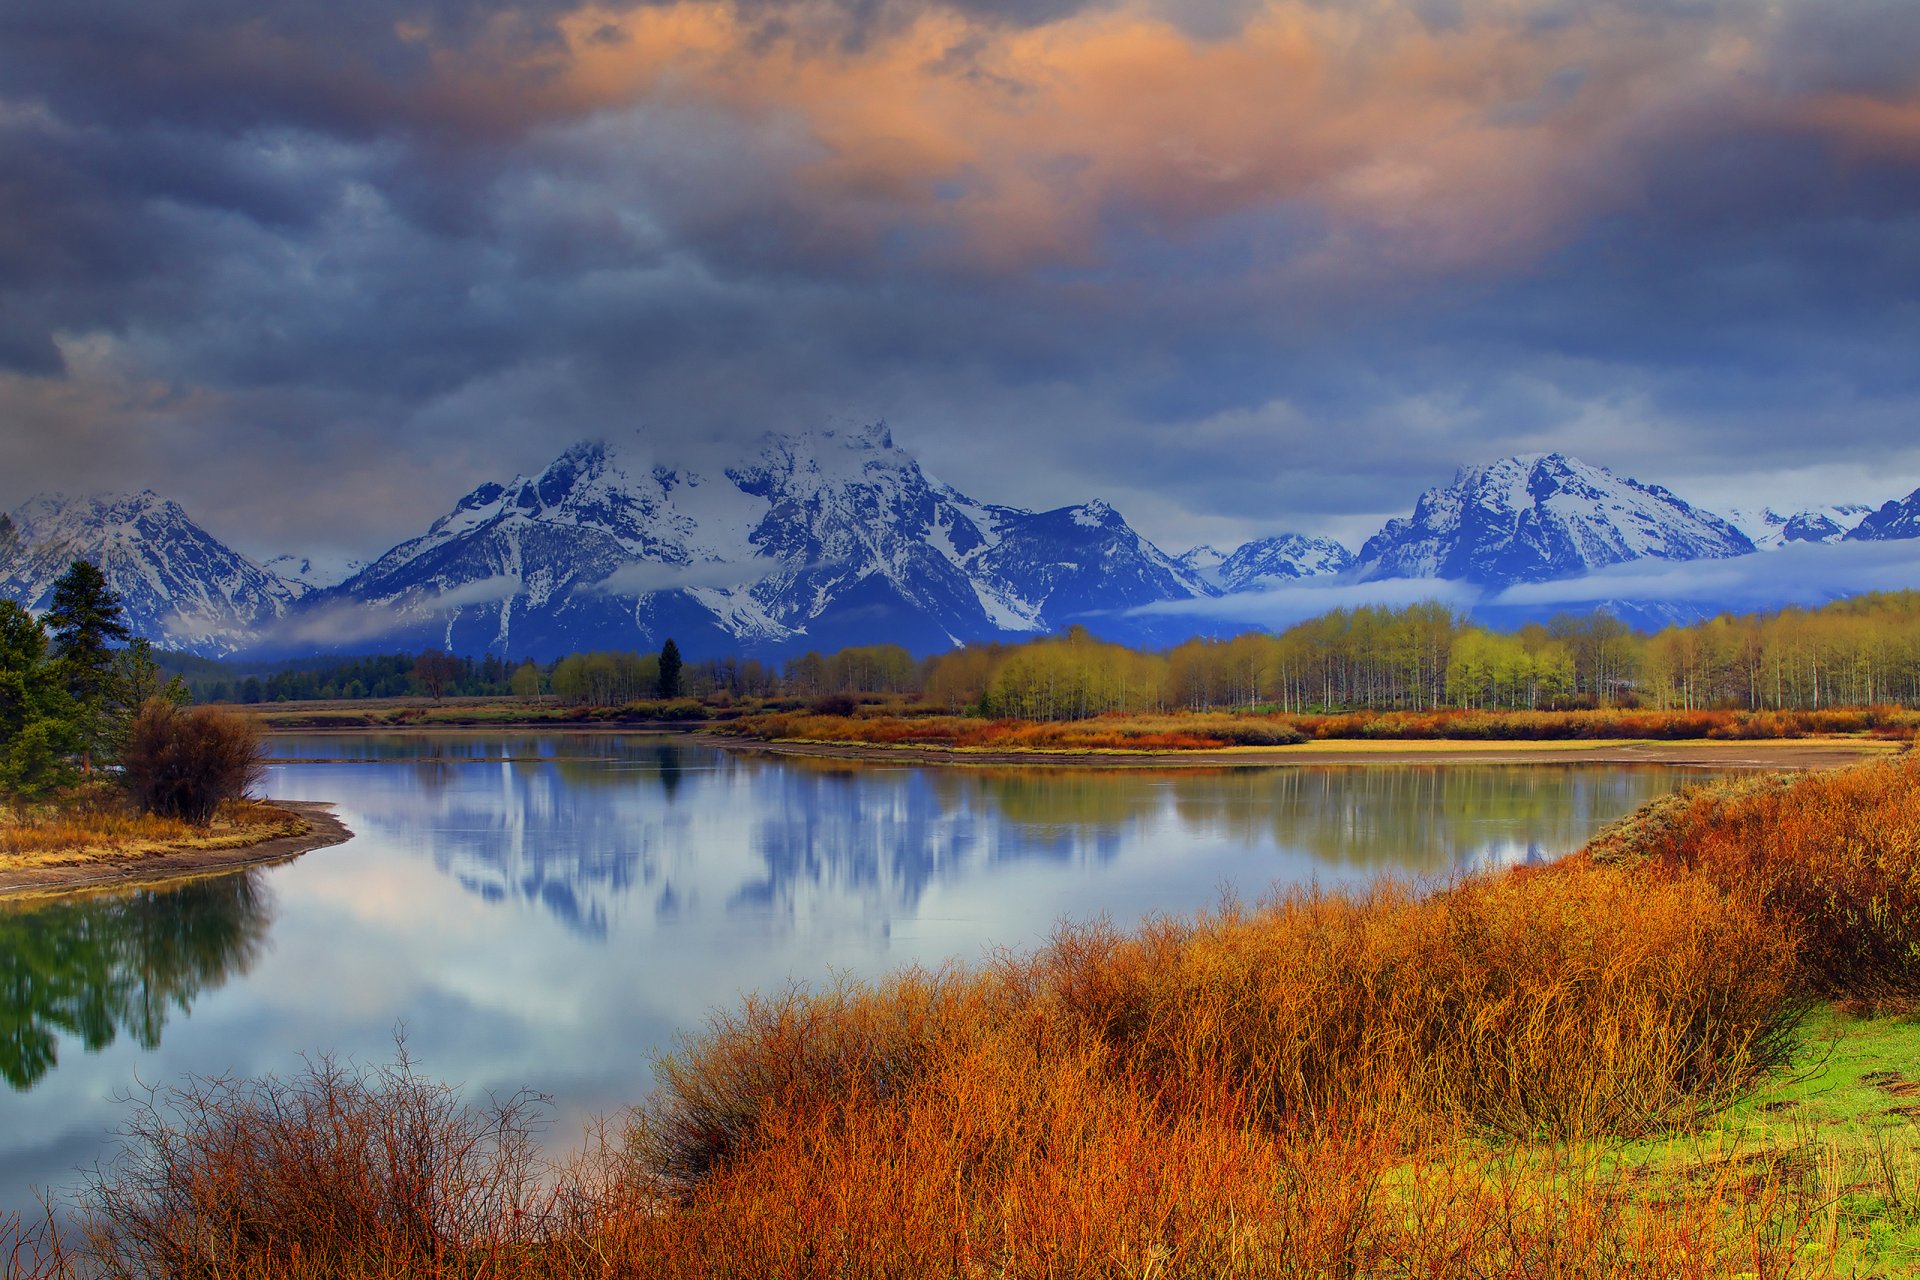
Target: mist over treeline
[1856,652]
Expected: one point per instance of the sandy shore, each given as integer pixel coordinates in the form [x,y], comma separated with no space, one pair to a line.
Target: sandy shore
[154,868]
[1795,753]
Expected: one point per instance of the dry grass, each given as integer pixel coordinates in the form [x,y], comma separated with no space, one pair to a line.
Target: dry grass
[103,826]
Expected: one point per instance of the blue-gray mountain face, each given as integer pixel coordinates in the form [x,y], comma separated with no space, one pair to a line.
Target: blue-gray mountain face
[820,541]
[1269,562]
[1894,520]
[830,539]
[179,585]
[1539,517]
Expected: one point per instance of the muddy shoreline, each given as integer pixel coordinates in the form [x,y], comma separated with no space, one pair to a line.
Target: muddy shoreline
[1771,753]
[184,864]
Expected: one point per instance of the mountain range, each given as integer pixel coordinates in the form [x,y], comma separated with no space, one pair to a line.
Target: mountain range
[830,538]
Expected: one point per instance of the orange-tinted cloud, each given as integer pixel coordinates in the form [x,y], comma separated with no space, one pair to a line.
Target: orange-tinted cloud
[1405,146]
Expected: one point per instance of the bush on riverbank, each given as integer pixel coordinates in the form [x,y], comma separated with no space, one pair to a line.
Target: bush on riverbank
[1834,856]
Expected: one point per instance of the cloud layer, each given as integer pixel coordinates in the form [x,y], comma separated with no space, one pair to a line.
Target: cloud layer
[1239,266]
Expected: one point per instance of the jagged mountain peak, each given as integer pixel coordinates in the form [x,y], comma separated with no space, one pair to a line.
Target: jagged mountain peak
[820,537]
[1769,529]
[1283,558]
[179,585]
[1532,517]
[1894,520]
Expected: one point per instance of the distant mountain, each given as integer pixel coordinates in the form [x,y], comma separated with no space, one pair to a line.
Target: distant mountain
[1268,562]
[304,573]
[830,538]
[1538,517]
[820,540]
[1895,520]
[180,586]
[1287,557]
[1769,530]
[1203,562]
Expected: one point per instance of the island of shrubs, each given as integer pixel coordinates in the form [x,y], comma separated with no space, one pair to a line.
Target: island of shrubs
[96,745]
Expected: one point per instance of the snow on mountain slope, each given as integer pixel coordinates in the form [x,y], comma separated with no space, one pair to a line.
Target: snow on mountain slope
[180,586]
[1770,530]
[1286,557]
[1203,562]
[1895,520]
[311,573]
[821,539]
[1541,516]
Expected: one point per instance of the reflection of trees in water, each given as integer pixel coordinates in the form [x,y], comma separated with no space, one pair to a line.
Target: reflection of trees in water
[98,966]
[1424,820]
[1069,801]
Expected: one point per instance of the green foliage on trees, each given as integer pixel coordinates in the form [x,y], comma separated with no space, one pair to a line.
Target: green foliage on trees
[85,625]
[69,689]
[38,734]
[669,669]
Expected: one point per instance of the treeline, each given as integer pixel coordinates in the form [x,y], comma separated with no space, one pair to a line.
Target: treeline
[390,675]
[1862,651]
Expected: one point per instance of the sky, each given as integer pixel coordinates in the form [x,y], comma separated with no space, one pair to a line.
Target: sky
[1236,266]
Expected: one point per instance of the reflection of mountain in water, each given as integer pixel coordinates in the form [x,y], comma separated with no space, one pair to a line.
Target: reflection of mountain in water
[666,829]
[98,966]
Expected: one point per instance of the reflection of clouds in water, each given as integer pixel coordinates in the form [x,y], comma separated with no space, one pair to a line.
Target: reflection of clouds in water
[609,833]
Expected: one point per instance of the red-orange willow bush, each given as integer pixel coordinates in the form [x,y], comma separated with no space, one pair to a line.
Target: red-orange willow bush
[1834,856]
[1189,731]
[185,762]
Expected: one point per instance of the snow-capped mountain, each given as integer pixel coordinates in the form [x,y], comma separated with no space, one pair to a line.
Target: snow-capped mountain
[822,540]
[1541,516]
[1287,557]
[1268,562]
[1899,519]
[1769,530]
[1203,562]
[180,586]
[311,573]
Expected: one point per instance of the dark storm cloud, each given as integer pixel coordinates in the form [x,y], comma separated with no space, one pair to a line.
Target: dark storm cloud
[1238,267]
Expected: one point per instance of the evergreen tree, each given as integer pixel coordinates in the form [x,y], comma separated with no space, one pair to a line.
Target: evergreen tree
[85,622]
[669,669]
[36,715]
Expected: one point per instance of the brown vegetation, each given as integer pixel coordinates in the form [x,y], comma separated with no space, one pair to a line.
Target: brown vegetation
[1202,731]
[1395,1085]
[100,823]
[1833,856]
[186,762]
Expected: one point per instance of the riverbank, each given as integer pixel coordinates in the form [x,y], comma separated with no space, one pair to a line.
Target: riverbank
[272,832]
[1706,753]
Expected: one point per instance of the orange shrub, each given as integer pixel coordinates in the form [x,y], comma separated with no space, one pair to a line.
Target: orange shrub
[1564,1004]
[1835,856]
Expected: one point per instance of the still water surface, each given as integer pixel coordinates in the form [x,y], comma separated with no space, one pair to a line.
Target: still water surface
[552,910]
